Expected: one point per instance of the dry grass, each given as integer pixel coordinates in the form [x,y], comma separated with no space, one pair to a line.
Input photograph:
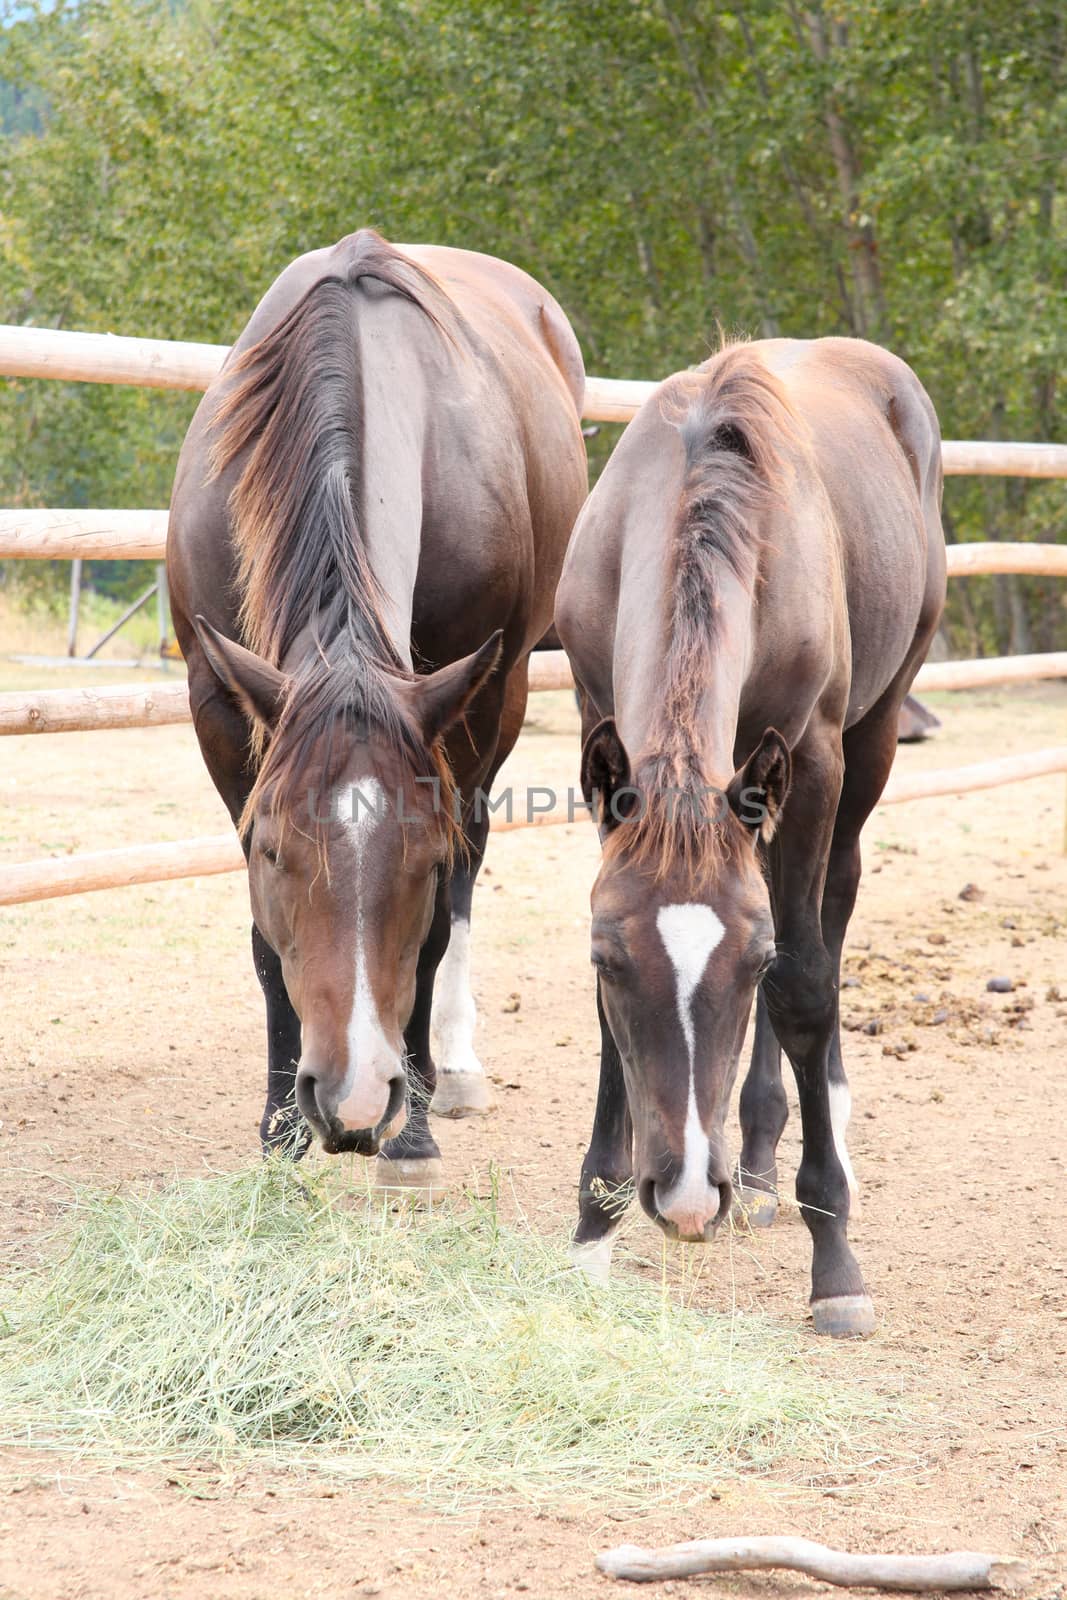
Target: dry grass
[294,1321]
[29,627]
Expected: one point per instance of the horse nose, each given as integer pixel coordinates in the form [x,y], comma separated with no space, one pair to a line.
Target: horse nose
[690,1210]
[364,1102]
[307,1098]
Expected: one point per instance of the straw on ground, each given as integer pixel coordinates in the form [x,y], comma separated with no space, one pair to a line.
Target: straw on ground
[262,1316]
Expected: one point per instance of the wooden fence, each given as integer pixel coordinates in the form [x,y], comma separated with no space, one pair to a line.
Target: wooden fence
[135,534]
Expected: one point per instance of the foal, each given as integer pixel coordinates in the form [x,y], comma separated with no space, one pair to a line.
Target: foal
[748,594]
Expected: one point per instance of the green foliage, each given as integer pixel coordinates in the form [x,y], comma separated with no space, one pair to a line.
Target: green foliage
[887,168]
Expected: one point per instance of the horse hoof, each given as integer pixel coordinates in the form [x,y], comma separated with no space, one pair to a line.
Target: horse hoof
[757,1207]
[846,1316]
[417,1179]
[461,1094]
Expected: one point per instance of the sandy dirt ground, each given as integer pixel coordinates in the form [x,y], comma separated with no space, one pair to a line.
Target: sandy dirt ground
[131,1048]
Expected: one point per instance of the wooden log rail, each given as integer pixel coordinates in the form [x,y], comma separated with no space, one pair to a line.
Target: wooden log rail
[53,877]
[38,534]
[88,709]
[84,710]
[171,364]
[75,535]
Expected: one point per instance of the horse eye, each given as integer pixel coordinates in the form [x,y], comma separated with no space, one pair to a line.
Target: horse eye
[603,967]
[766,963]
[270,854]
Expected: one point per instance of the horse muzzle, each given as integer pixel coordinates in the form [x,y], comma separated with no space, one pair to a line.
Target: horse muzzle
[690,1214]
[360,1121]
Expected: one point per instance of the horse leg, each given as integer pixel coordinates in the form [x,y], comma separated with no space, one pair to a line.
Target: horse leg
[839,898]
[869,749]
[764,1112]
[802,1005]
[281,1127]
[412,1161]
[462,1085]
[606,1184]
[223,737]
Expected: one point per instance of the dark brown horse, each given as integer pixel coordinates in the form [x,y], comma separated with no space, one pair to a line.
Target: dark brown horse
[748,594]
[369,519]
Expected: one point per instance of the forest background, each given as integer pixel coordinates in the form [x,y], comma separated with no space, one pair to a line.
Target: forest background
[892,169]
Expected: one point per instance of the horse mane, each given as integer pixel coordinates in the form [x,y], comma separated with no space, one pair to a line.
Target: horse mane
[294,410]
[736,424]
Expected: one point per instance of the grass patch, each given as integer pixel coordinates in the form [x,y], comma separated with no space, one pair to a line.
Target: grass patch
[264,1317]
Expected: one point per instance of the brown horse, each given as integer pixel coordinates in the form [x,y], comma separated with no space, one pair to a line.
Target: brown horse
[370,514]
[747,596]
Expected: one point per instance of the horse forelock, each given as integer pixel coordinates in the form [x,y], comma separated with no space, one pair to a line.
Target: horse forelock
[682,825]
[736,426]
[328,706]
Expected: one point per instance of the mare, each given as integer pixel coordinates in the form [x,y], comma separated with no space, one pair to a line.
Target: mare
[370,514]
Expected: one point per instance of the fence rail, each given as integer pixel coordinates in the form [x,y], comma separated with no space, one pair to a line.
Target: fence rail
[36,534]
[172,364]
[138,534]
[53,877]
[91,709]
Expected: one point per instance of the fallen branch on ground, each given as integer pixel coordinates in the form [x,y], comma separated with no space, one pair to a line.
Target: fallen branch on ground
[960,1569]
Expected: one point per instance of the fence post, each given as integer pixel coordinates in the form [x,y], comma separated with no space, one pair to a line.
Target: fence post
[75,596]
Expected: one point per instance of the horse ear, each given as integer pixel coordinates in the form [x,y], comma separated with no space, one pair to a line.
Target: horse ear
[757,792]
[255,685]
[606,775]
[441,698]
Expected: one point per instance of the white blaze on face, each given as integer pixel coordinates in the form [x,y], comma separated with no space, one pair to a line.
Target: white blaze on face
[454,1013]
[840,1111]
[690,933]
[372,1061]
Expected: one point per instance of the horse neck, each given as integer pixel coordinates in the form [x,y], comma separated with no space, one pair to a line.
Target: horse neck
[682,697]
[720,694]
[395,428]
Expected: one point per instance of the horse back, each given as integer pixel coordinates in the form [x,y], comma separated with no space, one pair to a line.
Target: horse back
[862,527]
[499,403]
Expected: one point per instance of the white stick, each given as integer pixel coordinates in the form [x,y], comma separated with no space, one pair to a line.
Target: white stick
[961,1569]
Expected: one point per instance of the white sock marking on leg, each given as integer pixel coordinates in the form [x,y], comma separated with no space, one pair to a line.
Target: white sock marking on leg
[594,1257]
[454,1015]
[840,1111]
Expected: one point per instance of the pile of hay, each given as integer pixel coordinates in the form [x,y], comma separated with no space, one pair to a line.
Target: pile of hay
[265,1317]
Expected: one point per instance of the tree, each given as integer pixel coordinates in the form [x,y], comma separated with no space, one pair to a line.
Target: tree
[888,169]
